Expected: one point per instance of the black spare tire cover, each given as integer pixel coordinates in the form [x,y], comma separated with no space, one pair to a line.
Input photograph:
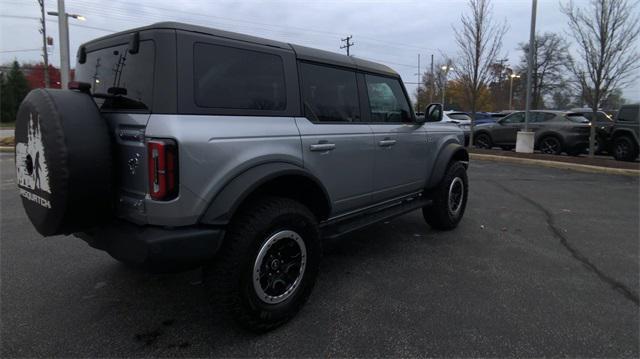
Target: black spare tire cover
[63,161]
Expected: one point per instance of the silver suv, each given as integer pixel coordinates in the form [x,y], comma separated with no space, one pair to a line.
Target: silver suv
[181,145]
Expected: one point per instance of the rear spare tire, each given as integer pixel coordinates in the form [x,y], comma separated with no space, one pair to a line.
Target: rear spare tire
[63,161]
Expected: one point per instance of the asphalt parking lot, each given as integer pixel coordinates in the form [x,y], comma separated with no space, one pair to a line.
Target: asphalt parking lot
[545,263]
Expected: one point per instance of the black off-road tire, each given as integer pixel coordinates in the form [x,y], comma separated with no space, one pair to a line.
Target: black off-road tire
[230,276]
[440,215]
[625,148]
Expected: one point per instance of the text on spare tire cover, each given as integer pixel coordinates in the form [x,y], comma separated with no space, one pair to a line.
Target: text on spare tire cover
[31,166]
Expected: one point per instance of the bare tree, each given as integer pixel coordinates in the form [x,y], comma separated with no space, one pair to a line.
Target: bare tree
[479,42]
[549,62]
[605,32]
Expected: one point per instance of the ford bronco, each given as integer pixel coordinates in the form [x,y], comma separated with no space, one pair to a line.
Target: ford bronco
[180,144]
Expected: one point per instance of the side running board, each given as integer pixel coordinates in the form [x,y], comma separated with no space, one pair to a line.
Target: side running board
[335,228]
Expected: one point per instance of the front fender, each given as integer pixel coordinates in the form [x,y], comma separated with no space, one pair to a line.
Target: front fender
[448,152]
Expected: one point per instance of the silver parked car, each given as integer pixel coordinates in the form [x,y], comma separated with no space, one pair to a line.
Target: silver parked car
[183,145]
[555,132]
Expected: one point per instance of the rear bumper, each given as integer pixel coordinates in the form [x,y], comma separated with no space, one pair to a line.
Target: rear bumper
[142,245]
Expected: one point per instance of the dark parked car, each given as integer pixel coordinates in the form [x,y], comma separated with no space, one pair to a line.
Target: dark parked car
[604,125]
[488,117]
[555,132]
[625,133]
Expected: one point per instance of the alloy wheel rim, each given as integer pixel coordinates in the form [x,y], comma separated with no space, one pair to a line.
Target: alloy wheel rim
[279,267]
[549,145]
[456,195]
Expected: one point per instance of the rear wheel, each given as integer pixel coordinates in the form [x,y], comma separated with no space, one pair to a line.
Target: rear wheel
[449,199]
[550,145]
[483,141]
[269,263]
[624,148]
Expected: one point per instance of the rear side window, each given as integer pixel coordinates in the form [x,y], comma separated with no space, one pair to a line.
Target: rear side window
[231,78]
[541,116]
[387,100]
[577,117]
[125,79]
[329,94]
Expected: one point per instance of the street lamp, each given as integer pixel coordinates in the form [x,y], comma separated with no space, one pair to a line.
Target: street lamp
[63,28]
[445,69]
[511,77]
[75,16]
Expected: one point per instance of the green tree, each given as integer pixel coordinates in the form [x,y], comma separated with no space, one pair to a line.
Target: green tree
[13,89]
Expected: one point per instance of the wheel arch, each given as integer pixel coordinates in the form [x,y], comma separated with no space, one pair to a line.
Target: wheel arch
[547,134]
[450,152]
[280,179]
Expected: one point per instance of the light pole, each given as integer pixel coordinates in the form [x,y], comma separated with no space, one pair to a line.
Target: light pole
[63,28]
[445,69]
[524,138]
[511,77]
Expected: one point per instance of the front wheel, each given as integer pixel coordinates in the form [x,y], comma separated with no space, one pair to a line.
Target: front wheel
[268,264]
[449,199]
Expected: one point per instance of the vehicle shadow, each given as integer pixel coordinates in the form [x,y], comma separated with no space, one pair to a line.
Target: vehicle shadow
[169,313]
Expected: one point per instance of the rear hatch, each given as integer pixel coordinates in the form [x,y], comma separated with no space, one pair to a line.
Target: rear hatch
[121,78]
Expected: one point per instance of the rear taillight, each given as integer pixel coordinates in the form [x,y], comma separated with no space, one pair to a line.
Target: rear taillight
[163,169]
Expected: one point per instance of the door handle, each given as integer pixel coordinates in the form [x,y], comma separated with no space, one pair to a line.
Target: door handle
[387,142]
[321,147]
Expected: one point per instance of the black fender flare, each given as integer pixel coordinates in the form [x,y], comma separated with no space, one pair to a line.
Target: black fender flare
[225,203]
[447,153]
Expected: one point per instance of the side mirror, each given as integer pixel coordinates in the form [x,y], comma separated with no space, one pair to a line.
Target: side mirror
[433,113]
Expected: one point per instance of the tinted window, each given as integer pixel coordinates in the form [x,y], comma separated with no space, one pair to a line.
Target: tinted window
[230,78]
[517,117]
[577,117]
[329,94]
[126,78]
[628,113]
[387,100]
[541,116]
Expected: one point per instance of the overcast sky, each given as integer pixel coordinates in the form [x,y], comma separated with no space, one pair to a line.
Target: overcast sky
[390,32]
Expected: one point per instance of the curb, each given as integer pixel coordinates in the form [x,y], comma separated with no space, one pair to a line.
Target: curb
[7,149]
[556,164]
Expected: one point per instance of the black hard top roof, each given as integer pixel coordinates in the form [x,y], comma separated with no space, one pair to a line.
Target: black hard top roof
[302,52]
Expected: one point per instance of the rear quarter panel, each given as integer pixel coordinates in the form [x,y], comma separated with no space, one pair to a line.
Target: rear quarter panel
[212,151]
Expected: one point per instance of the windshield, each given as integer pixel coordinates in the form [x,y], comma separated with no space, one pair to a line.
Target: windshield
[124,80]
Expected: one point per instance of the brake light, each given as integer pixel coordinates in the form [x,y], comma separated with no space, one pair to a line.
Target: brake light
[163,169]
